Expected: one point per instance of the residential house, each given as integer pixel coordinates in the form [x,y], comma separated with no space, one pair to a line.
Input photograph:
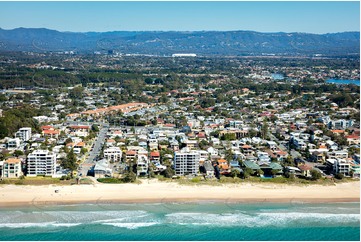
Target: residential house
[247,150]
[101,169]
[353,139]
[13,144]
[338,154]
[299,144]
[131,155]
[223,166]
[155,156]
[317,156]
[50,132]
[207,168]
[142,165]
[305,170]
[79,130]
[340,124]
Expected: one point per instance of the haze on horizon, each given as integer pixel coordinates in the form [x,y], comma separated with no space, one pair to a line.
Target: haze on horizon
[309,17]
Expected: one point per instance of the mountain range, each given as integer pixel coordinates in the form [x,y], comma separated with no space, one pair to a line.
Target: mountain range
[203,43]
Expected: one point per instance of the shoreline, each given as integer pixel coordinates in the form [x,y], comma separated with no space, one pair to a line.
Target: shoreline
[161,192]
[294,201]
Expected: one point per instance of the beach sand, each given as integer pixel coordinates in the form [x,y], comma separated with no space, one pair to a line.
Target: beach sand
[156,191]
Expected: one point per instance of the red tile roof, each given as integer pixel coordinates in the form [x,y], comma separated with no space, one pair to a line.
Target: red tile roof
[154,154]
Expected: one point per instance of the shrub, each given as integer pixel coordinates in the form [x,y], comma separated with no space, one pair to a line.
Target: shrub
[339,176]
[235,173]
[109,180]
[129,177]
[315,175]
[225,179]
[196,179]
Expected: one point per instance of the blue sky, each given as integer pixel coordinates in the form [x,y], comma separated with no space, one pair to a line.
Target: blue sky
[311,17]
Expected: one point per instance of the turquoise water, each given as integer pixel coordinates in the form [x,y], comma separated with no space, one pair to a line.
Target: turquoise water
[181,221]
[336,81]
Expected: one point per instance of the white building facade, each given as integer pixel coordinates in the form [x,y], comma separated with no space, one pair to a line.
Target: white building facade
[24,134]
[41,162]
[186,163]
[113,154]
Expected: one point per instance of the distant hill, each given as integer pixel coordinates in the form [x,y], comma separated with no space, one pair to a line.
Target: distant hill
[222,43]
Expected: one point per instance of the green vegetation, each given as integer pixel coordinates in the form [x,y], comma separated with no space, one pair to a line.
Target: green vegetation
[38,181]
[70,162]
[315,175]
[109,180]
[14,119]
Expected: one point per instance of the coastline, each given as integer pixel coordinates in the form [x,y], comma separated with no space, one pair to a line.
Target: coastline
[163,192]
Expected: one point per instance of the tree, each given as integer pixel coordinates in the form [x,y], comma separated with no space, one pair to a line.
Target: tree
[203,144]
[260,172]
[68,140]
[95,128]
[264,129]
[228,136]
[18,153]
[168,172]
[3,130]
[315,175]
[235,173]
[76,92]
[129,176]
[274,172]
[83,150]
[247,172]
[70,162]
[339,176]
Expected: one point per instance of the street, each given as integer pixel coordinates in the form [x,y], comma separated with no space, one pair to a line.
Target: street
[95,151]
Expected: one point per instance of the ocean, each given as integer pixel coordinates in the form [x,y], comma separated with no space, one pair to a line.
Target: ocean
[337,81]
[204,221]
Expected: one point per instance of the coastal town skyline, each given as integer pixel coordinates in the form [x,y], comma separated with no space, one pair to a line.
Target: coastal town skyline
[268,16]
[183,133]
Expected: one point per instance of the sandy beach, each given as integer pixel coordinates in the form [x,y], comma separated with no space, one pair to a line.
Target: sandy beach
[155,191]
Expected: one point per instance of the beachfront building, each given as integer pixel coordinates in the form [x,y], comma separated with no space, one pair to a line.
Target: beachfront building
[11,168]
[24,134]
[41,162]
[113,154]
[339,166]
[186,163]
[101,169]
[142,165]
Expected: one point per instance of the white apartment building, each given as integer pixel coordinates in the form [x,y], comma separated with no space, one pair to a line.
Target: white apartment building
[13,144]
[186,163]
[300,144]
[41,162]
[338,154]
[341,124]
[142,165]
[339,166]
[113,154]
[24,134]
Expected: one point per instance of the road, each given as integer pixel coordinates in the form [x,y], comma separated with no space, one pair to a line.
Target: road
[274,138]
[95,151]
